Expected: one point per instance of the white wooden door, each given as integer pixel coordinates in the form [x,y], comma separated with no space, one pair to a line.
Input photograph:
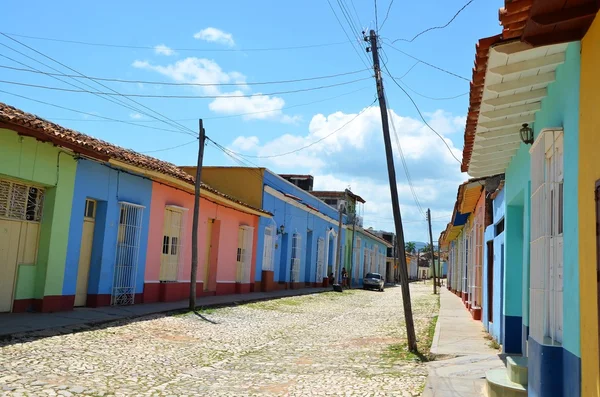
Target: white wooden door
[169,261]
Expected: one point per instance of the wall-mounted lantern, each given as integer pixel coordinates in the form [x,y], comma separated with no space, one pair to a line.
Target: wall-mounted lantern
[281,229]
[526,134]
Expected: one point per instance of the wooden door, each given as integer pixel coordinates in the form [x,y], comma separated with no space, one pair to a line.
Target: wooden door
[207,252]
[85,252]
[9,243]
[169,261]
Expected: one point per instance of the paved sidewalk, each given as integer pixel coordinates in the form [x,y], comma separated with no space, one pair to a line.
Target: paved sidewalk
[17,323]
[458,335]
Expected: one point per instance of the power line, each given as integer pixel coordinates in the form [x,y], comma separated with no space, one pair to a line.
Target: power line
[376,18]
[312,143]
[182,84]
[436,27]
[387,14]
[428,64]
[92,114]
[346,34]
[404,165]
[170,148]
[175,49]
[240,114]
[115,101]
[434,98]
[183,96]
[172,123]
[408,71]
[421,115]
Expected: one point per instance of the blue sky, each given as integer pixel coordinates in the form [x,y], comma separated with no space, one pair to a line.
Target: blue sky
[224,33]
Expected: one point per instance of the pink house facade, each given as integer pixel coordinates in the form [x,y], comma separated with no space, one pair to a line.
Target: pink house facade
[227,239]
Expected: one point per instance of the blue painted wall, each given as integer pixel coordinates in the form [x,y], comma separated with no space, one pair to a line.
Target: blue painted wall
[495,326]
[108,186]
[366,242]
[295,220]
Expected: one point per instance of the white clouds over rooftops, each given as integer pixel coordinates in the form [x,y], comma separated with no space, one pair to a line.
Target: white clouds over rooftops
[206,71]
[162,49]
[215,35]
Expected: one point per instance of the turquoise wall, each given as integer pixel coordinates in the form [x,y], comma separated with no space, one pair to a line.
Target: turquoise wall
[561,109]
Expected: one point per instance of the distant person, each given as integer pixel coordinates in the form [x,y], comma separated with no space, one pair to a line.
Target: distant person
[344,278]
[331,278]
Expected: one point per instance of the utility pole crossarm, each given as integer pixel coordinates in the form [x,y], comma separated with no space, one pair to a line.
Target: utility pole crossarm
[410,328]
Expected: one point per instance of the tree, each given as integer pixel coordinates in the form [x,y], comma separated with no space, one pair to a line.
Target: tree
[427,252]
[410,247]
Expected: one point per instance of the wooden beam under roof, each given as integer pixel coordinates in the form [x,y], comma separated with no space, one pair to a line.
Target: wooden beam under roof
[571,14]
[507,122]
[527,108]
[497,149]
[538,94]
[494,156]
[501,140]
[519,67]
[544,78]
[499,133]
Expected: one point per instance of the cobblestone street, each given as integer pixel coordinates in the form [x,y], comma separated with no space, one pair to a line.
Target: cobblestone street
[322,344]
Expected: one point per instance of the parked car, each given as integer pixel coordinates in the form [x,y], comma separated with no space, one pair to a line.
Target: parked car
[373,281]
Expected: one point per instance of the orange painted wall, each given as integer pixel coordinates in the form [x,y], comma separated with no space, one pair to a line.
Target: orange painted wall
[230,221]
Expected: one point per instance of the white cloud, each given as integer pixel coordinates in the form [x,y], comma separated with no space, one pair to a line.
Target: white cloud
[215,35]
[162,49]
[206,71]
[354,156]
[136,116]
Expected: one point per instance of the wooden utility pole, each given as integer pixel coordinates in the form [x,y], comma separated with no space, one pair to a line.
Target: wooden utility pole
[194,273]
[408,317]
[440,275]
[431,252]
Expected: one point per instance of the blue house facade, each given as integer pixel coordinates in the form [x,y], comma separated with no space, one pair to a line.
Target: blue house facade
[304,234]
[493,270]
[370,253]
[111,211]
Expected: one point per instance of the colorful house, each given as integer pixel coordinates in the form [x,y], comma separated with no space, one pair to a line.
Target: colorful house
[493,269]
[87,223]
[370,254]
[299,244]
[526,91]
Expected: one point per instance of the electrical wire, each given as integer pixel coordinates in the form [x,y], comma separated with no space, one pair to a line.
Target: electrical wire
[91,114]
[387,14]
[408,71]
[183,96]
[175,49]
[436,27]
[115,101]
[376,17]
[182,84]
[171,122]
[346,34]
[427,63]
[421,115]
[434,98]
[404,164]
[240,114]
[312,143]
[170,148]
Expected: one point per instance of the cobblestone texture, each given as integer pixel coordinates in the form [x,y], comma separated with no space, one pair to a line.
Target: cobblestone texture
[324,344]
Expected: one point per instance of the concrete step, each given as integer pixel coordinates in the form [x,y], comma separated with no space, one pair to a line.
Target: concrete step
[499,385]
[516,366]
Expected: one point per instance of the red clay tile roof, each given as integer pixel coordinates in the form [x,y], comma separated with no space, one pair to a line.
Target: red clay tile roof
[513,17]
[476,94]
[47,131]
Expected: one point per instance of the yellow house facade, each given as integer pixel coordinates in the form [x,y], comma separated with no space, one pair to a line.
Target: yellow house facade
[589,212]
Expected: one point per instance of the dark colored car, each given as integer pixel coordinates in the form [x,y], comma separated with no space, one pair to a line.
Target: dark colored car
[373,281]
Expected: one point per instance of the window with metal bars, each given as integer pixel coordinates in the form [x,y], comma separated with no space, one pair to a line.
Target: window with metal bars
[20,202]
[296,248]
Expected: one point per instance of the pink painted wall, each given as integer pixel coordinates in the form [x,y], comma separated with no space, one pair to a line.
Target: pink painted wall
[230,220]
